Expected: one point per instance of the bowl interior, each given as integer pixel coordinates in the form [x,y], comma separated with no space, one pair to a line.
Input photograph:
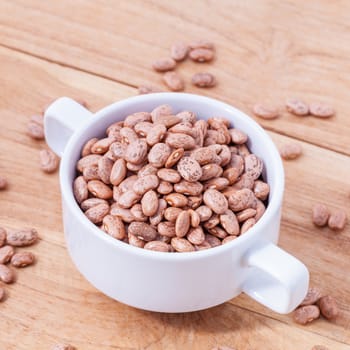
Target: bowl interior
[259,142]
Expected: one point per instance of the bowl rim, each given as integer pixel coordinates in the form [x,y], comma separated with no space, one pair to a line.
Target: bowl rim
[170,98]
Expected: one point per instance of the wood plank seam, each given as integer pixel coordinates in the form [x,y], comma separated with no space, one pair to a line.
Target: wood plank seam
[66,65]
[275,130]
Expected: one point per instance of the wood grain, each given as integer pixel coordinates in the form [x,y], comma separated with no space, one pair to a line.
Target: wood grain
[52,302]
[266,50]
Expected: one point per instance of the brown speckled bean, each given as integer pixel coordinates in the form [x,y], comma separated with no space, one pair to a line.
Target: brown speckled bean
[104,169]
[196,235]
[169,175]
[261,189]
[128,199]
[156,134]
[142,231]
[164,64]
[86,150]
[238,137]
[168,120]
[242,199]
[136,151]
[265,111]
[171,213]
[210,171]
[320,214]
[291,151]
[203,80]
[203,246]
[101,146]
[161,110]
[128,135]
[182,223]
[212,222]
[218,232]
[118,149]
[204,213]
[297,107]
[328,307]
[306,314]
[321,110]
[49,162]
[246,214]
[97,213]
[136,211]
[253,166]
[125,214]
[80,189]
[179,140]
[22,259]
[89,160]
[92,202]
[201,55]
[312,296]
[6,274]
[174,157]
[167,229]
[181,245]
[195,219]
[157,246]
[179,51]
[165,187]
[219,183]
[135,118]
[247,225]
[337,220]
[114,226]
[149,203]
[91,173]
[194,201]
[189,169]
[22,237]
[174,81]
[176,200]
[159,155]
[142,185]
[135,241]
[99,189]
[260,210]
[147,169]
[188,188]
[216,201]
[229,222]
[118,172]
[212,240]
[6,253]
[35,130]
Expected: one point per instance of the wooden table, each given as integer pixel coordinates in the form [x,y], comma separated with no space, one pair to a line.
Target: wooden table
[101,51]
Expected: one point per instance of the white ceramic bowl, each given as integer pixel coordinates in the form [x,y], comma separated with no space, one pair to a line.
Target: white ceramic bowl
[176,282]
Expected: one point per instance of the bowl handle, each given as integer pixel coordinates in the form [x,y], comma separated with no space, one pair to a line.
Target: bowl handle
[275,279]
[61,119]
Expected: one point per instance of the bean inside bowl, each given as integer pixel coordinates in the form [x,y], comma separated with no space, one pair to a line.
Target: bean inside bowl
[171,182]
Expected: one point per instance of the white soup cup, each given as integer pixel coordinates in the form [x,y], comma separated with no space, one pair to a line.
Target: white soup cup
[176,282]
